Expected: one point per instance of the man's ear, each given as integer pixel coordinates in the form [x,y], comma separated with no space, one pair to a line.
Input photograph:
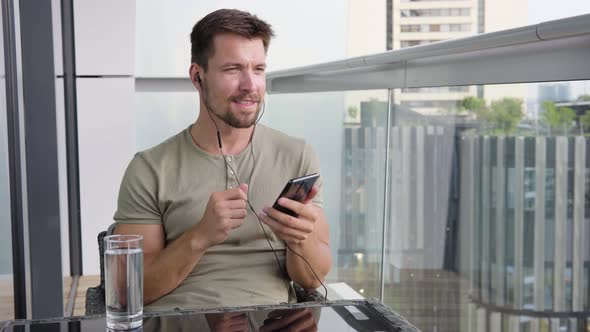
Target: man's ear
[195,72]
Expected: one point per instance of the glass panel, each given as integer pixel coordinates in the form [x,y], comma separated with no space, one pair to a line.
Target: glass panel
[6,274]
[160,115]
[489,205]
[348,132]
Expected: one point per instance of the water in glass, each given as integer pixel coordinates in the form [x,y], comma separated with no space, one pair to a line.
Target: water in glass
[124,287]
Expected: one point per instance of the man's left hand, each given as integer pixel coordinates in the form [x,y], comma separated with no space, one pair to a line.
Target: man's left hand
[293,230]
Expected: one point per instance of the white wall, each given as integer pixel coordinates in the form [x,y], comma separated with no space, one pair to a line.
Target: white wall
[307,32]
[104,32]
[104,44]
[106,138]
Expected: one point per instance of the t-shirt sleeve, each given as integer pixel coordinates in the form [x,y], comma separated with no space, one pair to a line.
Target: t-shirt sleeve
[311,164]
[137,202]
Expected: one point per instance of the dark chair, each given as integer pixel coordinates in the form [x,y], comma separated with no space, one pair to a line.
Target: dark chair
[95,296]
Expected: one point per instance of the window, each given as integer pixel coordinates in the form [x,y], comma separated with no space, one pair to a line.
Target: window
[435,12]
[430,0]
[464,27]
[409,43]
[437,89]
[442,104]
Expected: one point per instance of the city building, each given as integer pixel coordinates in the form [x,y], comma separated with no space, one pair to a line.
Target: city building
[423,22]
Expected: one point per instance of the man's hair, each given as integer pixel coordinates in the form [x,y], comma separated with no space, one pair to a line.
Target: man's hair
[225,21]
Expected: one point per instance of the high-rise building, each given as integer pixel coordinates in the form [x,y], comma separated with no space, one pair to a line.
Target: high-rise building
[419,22]
[558,92]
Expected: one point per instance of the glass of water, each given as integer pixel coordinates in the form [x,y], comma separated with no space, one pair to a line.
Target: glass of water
[123,259]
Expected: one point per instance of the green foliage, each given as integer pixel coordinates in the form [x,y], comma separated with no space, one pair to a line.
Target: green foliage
[506,114]
[473,104]
[583,98]
[557,118]
[501,117]
[585,121]
[352,111]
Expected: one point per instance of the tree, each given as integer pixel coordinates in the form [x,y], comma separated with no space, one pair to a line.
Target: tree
[585,122]
[506,114]
[352,111]
[474,105]
[477,106]
[557,118]
[502,116]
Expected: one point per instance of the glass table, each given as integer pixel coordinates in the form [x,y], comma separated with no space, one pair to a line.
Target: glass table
[341,315]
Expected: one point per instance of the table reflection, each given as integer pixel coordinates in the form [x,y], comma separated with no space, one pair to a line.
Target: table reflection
[365,315]
[302,319]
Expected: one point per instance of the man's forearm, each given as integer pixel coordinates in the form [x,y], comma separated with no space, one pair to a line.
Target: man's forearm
[163,273]
[319,256]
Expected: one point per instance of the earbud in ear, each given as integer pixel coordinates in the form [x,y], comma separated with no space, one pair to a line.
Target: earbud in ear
[198,78]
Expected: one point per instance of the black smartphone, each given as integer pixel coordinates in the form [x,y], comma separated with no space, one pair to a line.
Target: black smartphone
[296,189]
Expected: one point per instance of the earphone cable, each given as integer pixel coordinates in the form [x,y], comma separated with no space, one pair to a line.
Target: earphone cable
[312,270]
[260,221]
[281,270]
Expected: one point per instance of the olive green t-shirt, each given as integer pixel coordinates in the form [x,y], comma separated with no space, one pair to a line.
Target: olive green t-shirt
[170,184]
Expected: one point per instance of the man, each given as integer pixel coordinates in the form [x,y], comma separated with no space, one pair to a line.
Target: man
[190,196]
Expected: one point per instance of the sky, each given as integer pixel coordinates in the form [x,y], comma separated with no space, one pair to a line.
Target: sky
[547,10]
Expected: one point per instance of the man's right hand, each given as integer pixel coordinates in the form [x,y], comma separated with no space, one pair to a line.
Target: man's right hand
[225,211]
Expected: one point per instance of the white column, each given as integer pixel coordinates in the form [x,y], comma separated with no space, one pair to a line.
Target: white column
[518,220]
[500,179]
[105,41]
[561,155]
[579,220]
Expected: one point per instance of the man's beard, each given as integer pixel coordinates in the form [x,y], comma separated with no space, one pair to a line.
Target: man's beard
[228,117]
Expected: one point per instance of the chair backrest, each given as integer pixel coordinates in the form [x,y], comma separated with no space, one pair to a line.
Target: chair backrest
[101,236]
[95,298]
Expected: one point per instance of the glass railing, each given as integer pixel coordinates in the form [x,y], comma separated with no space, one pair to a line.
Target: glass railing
[456,175]
[464,209]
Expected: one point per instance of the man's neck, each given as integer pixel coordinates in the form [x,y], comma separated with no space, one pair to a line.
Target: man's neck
[233,140]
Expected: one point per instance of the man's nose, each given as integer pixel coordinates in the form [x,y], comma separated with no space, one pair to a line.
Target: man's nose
[248,81]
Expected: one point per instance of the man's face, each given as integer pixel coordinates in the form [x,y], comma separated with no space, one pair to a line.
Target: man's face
[235,81]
